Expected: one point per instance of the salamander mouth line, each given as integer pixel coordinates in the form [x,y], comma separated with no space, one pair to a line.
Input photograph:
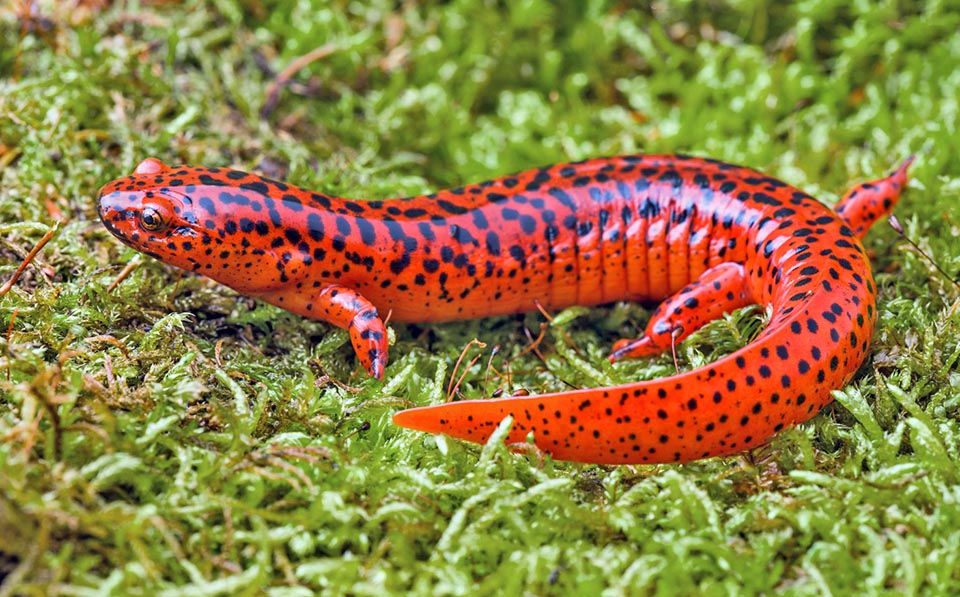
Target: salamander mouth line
[698,236]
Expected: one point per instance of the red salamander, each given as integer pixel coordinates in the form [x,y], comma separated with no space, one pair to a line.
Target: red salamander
[704,236]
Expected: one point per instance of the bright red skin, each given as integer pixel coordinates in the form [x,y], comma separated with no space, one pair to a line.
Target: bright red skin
[707,236]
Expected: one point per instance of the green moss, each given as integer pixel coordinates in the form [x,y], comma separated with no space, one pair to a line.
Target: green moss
[169,436]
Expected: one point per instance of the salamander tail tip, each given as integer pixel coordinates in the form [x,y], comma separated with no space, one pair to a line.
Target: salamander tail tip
[416,418]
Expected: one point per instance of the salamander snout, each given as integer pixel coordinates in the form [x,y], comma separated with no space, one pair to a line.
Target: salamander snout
[117,211]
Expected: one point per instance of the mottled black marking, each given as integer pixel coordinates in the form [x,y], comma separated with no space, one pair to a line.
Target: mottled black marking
[649,208]
[256,187]
[462,235]
[368,235]
[314,227]
[528,224]
[493,243]
[398,265]
[451,208]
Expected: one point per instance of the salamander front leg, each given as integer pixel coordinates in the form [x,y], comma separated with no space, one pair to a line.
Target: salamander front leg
[721,289]
[346,308]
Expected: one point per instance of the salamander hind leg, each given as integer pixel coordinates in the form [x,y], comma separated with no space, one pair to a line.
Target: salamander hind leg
[346,308]
[721,289]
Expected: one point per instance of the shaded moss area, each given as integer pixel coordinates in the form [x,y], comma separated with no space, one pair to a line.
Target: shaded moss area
[161,435]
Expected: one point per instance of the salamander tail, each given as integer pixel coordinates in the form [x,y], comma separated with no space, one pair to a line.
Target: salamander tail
[867,202]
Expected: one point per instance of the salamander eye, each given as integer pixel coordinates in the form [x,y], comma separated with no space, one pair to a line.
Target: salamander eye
[151,220]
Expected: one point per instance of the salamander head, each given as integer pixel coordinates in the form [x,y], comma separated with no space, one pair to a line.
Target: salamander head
[149,213]
[197,219]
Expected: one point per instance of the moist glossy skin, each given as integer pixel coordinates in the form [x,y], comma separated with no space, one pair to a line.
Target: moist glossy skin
[706,236]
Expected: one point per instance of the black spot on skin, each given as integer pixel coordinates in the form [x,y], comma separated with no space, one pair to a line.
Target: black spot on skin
[314,227]
[551,233]
[292,202]
[461,235]
[493,243]
[395,230]
[228,198]
[480,220]
[426,231]
[649,209]
[765,199]
[367,234]
[207,204]
[564,199]
[451,208]
[542,176]
[256,187]
[528,224]
[321,200]
[275,218]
